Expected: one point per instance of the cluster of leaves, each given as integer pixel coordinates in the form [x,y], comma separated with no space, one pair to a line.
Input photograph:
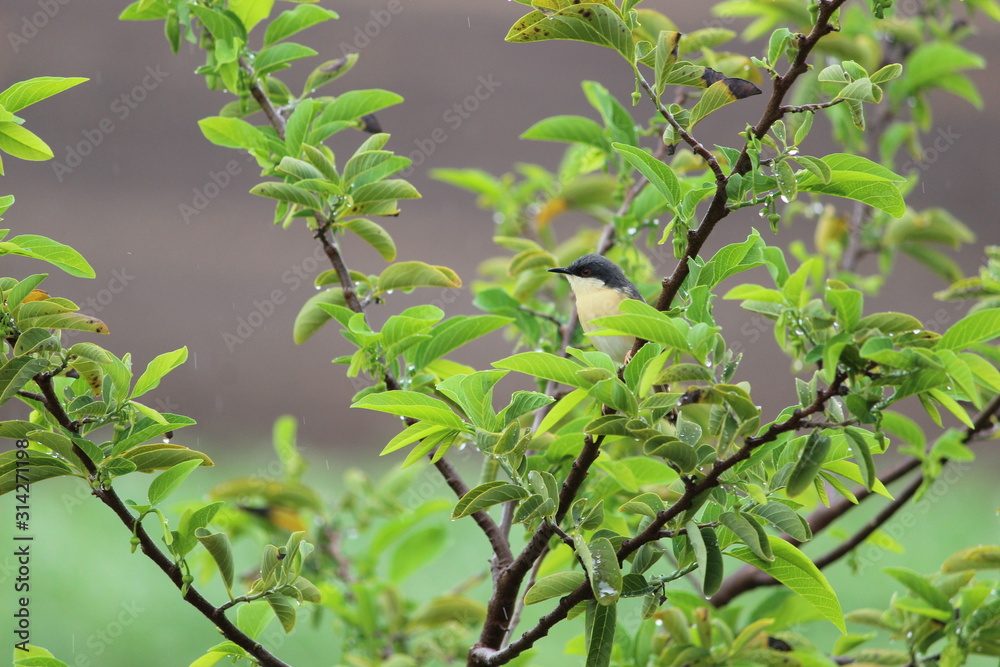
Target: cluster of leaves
[954,607]
[625,482]
[85,419]
[290,146]
[15,140]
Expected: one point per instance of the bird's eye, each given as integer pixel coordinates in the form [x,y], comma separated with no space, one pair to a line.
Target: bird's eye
[585,272]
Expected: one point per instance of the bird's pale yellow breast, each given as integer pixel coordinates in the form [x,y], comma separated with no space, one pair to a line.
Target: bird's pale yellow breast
[594,300]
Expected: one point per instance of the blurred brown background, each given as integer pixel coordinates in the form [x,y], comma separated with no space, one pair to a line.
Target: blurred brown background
[164,281]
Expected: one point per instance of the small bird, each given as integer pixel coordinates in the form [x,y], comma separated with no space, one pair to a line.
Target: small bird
[600,286]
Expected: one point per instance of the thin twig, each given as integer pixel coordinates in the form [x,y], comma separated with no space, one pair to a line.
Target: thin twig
[482,655]
[515,617]
[811,108]
[748,578]
[718,210]
[695,145]
[149,547]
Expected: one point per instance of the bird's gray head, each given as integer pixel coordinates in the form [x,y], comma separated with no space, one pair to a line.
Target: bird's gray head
[597,271]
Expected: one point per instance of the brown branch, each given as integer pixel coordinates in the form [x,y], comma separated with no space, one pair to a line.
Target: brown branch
[717,209]
[192,596]
[480,655]
[810,108]
[497,539]
[111,498]
[273,115]
[507,581]
[695,145]
[748,577]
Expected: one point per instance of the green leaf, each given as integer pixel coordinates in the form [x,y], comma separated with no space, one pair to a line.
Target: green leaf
[547,366]
[714,572]
[921,587]
[815,166]
[407,275]
[890,322]
[250,12]
[294,20]
[254,617]
[277,57]
[849,304]
[860,179]
[311,316]
[570,129]
[453,333]
[18,372]
[980,326]
[35,340]
[657,173]
[22,143]
[601,621]
[647,504]
[231,133]
[379,191]
[161,456]
[928,64]
[809,463]
[786,519]
[750,533]
[25,93]
[288,193]
[39,467]
[357,103]
[412,404]
[157,368]
[719,94]
[982,557]
[554,585]
[487,495]
[221,551]
[601,563]
[666,56]
[732,259]
[592,22]
[372,233]
[284,609]
[53,252]
[613,393]
[685,373]
[168,480]
[643,321]
[794,569]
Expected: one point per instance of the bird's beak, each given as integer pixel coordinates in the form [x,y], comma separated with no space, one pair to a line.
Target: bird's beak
[560,269]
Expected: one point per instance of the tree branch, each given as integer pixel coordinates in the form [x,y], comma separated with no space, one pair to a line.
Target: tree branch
[695,145]
[748,577]
[111,498]
[481,655]
[717,209]
[497,539]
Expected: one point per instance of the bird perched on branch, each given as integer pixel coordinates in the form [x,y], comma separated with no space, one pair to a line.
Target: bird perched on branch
[600,286]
